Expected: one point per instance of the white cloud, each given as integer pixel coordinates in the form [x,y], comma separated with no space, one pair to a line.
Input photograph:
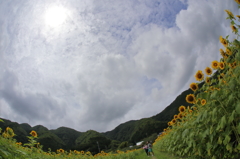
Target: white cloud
[108,62]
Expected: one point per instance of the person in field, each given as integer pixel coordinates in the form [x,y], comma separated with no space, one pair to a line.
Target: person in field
[150,151]
[145,147]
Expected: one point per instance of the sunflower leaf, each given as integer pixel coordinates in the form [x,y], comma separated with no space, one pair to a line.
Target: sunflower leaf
[21,152]
[236,71]
[226,140]
[223,122]
[205,133]
[238,128]
[238,56]
[209,147]
[185,133]
[232,117]
[205,114]
[220,139]
[230,60]
[229,147]
[238,108]
[4,153]
[230,99]
[238,147]
[198,118]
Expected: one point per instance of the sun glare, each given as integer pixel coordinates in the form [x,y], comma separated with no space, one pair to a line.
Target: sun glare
[55,16]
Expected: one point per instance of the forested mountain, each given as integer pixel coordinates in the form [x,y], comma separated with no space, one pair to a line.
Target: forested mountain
[135,130]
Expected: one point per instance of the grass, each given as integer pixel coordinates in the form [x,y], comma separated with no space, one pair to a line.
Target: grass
[157,155]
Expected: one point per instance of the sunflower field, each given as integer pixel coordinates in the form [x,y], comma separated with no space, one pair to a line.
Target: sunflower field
[209,129]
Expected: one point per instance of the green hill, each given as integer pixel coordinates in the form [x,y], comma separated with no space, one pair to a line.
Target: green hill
[135,130]
[92,141]
[168,113]
[50,140]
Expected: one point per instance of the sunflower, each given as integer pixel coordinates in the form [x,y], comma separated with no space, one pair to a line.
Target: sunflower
[224,55]
[182,108]
[175,116]
[234,29]
[60,150]
[212,88]
[194,86]
[88,153]
[203,101]
[207,80]
[33,133]
[194,108]
[223,41]
[75,151]
[238,16]
[190,111]
[237,1]
[199,75]
[224,81]
[174,121]
[219,78]
[228,51]
[222,52]
[191,98]
[169,123]
[10,132]
[214,65]
[233,65]
[221,65]
[180,115]
[208,70]
[230,14]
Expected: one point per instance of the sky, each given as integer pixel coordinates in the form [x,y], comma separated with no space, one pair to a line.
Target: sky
[92,65]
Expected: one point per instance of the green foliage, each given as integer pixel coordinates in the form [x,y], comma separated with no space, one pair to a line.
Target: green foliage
[50,140]
[145,128]
[26,127]
[67,135]
[86,136]
[123,145]
[114,144]
[122,132]
[93,141]
[40,129]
